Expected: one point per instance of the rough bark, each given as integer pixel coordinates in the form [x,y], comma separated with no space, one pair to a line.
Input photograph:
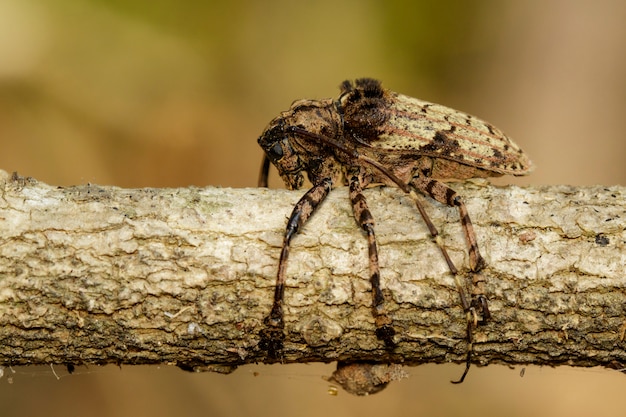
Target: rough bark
[92,274]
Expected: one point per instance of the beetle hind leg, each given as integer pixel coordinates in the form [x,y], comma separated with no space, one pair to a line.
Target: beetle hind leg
[476,304]
[446,195]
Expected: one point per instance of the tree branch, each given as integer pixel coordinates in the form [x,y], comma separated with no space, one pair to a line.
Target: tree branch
[92,274]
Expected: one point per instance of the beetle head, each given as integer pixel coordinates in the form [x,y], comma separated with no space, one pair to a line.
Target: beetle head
[277,143]
[294,143]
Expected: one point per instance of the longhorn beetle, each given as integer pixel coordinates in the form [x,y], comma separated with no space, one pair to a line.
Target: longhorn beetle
[370,135]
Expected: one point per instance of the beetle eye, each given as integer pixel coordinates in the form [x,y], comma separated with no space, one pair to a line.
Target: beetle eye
[277,151]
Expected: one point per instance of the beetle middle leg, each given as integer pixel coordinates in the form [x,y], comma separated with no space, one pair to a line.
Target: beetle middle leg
[363,216]
[272,336]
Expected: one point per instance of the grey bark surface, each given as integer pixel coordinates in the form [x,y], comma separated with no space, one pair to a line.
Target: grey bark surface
[92,274]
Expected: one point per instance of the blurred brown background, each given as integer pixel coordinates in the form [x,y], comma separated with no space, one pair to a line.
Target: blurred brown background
[169,94]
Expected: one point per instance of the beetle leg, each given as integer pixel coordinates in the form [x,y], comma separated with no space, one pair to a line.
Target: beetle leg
[363,216]
[265,170]
[435,234]
[470,349]
[446,195]
[272,336]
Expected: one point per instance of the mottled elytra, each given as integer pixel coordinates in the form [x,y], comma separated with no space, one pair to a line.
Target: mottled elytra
[370,135]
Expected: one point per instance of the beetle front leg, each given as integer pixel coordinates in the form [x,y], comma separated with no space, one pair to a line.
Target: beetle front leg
[265,170]
[272,336]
